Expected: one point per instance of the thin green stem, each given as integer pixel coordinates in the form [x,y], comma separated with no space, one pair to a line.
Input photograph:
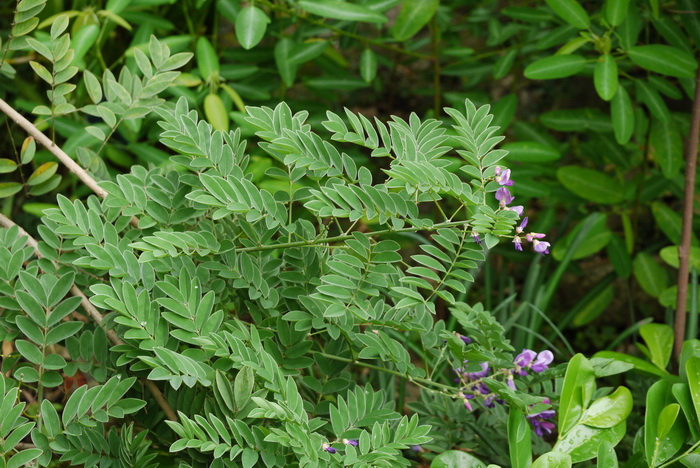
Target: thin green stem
[328,240]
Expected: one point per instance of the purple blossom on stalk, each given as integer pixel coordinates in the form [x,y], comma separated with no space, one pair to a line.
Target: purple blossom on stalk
[539,421]
[476,237]
[511,382]
[503,176]
[416,448]
[352,442]
[466,339]
[518,243]
[534,235]
[529,359]
[540,247]
[518,209]
[521,228]
[479,374]
[504,197]
[544,359]
[328,448]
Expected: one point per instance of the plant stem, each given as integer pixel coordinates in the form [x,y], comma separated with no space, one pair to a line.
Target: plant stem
[58,152]
[388,371]
[328,240]
[686,236]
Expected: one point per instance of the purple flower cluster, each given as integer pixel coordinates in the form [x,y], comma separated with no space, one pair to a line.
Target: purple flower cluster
[327,447]
[505,198]
[539,421]
[525,362]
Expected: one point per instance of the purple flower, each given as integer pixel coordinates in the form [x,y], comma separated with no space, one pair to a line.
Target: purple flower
[480,374]
[352,442]
[539,421]
[504,197]
[475,235]
[523,223]
[518,209]
[518,243]
[534,235]
[328,448]
[540,247]
[466,339]
[544,359]
[529,359]
[522,361]
[489,401]
[511,382]
[416,448]
[503,176]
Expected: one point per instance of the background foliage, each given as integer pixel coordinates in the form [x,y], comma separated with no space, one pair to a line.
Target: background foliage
[258,341]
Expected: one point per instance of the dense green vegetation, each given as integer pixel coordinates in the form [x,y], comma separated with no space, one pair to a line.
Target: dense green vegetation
[349,233]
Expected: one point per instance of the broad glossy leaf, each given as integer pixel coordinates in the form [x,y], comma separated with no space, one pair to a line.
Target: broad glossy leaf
[531,152]
[661,448]
[215,112]
[670,255]
[692,370]
[7,165]
[368,65]
[43,173]
[616,11]
[582,441]
[553,460]
[622,114]
[571,12]
[590,184]
[83,40]
[607,458]
[414,15]
[666,146]
[649,274]
[8,189]
[251,24]
[610,410]
[519,439]
[579,384]
[605,77]
[456,459]
[340,10]
[596,239]
[659,340]
[207,60]
[639,364]
[664,59]
[667,418]
[556,66]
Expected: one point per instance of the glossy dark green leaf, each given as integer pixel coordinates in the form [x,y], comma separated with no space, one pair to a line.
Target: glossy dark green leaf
[605,77]
[666,146]
[663,59]
[215,112]
[616,11]
[571,12]
[607,458]
[368,65]
[622,114]
[456,459]
[519,439]
[207,60]
[251,23]
[582,441]
[649,274]
[553,460]
[578,388]
[337,9]
[590,184]
[414,15]
[610,410]
[556,66]
[531,152]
